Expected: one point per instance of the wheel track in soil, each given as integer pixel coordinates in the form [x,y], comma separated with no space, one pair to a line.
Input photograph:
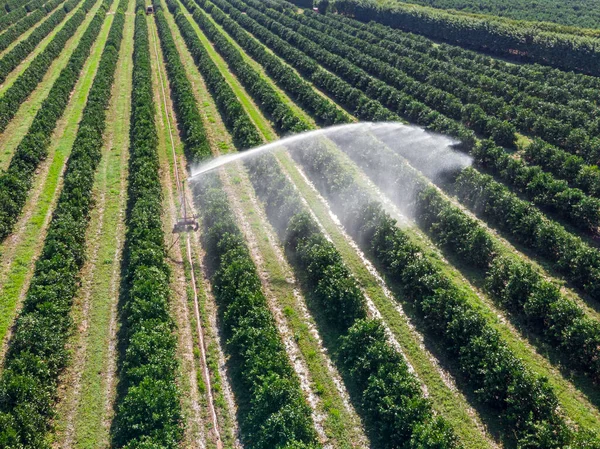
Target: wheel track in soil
[294,353]
[189,256]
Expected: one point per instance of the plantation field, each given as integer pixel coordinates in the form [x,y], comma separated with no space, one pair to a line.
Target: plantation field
[412,261]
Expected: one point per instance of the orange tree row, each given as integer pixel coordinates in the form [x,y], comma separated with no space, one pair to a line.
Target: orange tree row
[524,400]
[16,181]
[511,281]
[14,57]
[148,411]
[354,66]
[579,261]
[334,288]
[37,353]
[274,412]
[562,50]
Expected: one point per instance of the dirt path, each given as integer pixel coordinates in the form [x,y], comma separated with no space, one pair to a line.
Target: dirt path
[441,387]
[87,388]
[20,250]
[281,288]
[205,427]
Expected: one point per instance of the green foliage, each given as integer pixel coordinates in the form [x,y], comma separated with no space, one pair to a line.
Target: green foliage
[569,254]
[337,294]
[563,50]
[194,135]
[37,354]
[15,56]
[17,180]
[276,414]
[579,209]
[564,165]
[282,116]
[346,95]
[240,125]
[148,413]
[498,378]
[576,13]
[325,112]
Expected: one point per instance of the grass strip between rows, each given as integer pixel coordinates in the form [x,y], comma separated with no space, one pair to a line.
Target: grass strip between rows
[37,352]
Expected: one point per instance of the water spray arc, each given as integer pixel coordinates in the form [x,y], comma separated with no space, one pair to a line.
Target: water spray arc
[435,152]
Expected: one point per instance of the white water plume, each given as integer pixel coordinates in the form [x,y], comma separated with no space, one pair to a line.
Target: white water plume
[431,153]
[286,143]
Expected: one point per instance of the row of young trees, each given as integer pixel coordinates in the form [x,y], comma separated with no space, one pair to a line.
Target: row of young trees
[265,95]
[574,128]
[14,16]
[569,254]
[550,192]
[16,181]
[22,11]
[564,165]
[27,81]
[241,127]
[14,57]
[354,62]
[565,51]
[349,97]
[37,353]
[501,78]
[192,130]
[543,189]
[337,291]
[324,112]
[12,33]
[499,379]
[506,81]
[391,399]
[510,280]
[148,412]
[376,93]
[274,412]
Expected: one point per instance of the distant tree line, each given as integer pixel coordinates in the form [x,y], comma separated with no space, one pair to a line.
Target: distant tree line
[562,47]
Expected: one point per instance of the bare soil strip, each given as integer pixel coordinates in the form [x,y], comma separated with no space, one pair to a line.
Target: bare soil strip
[185,286]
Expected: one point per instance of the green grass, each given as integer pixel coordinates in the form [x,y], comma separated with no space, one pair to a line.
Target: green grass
[261,123]
[445,400]
[20,265]
[89,431]
[11,78]
[19,125]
